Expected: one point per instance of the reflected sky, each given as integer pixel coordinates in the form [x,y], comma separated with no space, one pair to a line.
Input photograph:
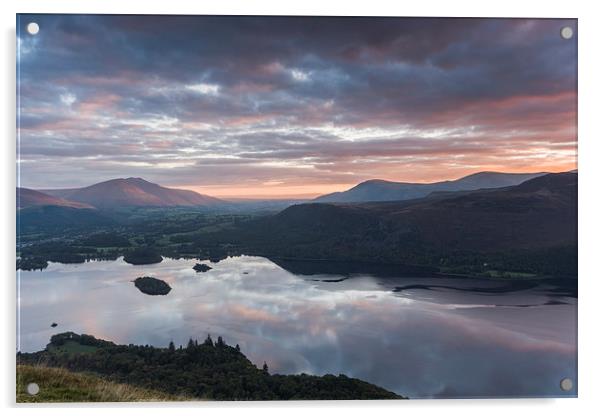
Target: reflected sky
[420,337]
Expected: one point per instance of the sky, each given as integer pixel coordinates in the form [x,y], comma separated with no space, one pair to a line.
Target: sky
[291,107]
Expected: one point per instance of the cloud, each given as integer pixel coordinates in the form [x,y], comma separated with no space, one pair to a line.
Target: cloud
[299,75]
[204,89]
[68,99]
[346,99]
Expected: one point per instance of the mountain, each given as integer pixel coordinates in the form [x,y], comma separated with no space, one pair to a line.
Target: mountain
[530,227]
[133,192]
[39,211]
[381,190]
[28,198]
[538,213]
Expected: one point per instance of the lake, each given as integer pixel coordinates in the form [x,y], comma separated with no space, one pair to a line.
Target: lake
[420,337]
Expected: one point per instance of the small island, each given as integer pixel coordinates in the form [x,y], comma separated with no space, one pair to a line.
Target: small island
[201,268]
[142,256]
[152,286]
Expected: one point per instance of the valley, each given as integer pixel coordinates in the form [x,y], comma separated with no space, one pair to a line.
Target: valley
[522,231]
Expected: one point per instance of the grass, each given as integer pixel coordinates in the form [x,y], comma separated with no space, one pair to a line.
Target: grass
[60,385]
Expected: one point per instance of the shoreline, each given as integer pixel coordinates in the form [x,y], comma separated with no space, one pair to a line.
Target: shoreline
[421,271]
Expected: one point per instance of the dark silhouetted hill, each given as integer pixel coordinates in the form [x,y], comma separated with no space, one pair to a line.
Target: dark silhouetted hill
[55,217]
[531,226]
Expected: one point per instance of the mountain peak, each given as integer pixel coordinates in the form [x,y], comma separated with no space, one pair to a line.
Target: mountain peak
[131,180]
[134,192]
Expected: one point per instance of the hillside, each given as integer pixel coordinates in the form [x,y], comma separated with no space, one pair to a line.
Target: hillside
[28,198]
[208,370]
[133,192]
[381,190]
[539,213]
[56,217]
[59,385]
[531,227]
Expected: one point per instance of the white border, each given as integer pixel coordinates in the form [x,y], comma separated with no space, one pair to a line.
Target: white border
[590,70]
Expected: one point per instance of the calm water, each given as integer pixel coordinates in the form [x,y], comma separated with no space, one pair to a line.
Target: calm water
[420,337]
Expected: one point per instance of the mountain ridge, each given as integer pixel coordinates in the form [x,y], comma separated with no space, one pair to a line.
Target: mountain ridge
[374,190]
[527,228]
[132,192]
[29,198]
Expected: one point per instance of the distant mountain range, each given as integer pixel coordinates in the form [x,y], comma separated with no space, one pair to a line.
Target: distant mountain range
[137,192]
[381,190]
[530,226]
[118,193]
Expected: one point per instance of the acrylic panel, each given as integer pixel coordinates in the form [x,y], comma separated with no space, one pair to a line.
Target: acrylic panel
[295,208]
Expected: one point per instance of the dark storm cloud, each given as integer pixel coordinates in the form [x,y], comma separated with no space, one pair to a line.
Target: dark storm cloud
[172,90]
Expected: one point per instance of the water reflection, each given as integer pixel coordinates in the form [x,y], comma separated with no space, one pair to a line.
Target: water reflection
[422,337]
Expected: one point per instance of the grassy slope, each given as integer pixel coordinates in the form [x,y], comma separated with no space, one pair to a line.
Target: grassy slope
[60,385]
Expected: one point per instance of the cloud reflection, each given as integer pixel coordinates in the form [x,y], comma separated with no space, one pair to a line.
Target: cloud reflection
[413,345]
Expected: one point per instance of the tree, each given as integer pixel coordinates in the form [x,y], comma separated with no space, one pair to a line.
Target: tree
[265,367]
[172,347]
[220,342]
[190,344]
[237,347]
[208,341]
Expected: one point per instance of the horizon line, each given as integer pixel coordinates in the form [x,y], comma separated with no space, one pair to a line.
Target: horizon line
[291,196]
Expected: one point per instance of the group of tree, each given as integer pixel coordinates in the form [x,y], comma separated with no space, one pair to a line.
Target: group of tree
[207,370]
